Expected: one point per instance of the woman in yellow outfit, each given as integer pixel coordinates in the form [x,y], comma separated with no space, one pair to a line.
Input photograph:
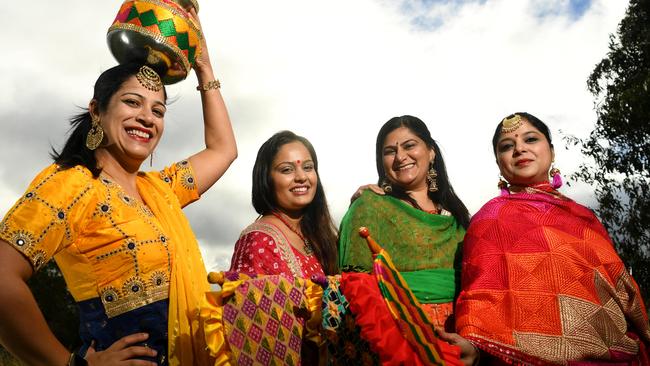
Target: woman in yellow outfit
[126,250]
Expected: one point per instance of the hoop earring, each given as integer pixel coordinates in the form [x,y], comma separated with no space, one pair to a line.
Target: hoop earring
[431,178]
[385,185]
[557,178]
[95,135]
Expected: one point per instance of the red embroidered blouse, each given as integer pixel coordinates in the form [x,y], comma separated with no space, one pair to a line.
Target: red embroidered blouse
[263,249]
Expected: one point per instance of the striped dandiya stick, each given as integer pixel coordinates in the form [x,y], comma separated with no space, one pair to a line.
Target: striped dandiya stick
[407,310]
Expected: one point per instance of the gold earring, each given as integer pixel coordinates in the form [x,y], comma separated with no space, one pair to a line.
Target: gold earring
[503,184]
[431,179]
[95,135]
[386,186]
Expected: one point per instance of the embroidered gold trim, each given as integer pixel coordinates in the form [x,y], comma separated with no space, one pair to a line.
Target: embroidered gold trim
[135,300]
[187,180]
[38,259]
[22,239]
[281,243]
[158,278]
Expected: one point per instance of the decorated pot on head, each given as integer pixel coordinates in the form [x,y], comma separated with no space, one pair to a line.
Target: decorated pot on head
[159,33]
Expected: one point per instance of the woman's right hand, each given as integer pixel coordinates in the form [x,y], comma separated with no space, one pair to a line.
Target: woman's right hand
[469,354]
[121,353]
[373,187]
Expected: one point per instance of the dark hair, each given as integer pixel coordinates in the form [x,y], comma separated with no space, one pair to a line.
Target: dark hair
[445,194]
[74,151]
[316,223]
[536,122]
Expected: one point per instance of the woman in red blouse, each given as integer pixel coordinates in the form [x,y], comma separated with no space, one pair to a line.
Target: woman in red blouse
[295,235]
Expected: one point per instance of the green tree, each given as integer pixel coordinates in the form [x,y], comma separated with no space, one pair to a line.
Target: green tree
[620,142]
[56,303]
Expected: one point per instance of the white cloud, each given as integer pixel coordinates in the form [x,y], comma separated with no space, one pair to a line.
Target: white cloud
[333,72]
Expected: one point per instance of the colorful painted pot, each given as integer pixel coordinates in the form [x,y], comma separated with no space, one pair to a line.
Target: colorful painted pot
[156,32]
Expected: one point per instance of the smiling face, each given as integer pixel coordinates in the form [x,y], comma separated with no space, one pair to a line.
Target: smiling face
[524,156]
[133,122]
[294,178]
[406,159]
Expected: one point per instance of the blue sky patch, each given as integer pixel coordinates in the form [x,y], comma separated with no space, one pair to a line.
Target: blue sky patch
[423,16]
[574,9]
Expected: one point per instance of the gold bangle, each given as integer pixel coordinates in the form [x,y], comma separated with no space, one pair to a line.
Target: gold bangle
[213,84]
[77,360]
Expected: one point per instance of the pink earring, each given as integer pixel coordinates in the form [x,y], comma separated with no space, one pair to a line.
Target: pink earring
[557,178]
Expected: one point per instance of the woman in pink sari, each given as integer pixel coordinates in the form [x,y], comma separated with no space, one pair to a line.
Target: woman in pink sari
[541,280]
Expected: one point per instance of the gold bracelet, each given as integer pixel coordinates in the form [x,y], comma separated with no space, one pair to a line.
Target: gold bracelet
[77,360]
[214,84]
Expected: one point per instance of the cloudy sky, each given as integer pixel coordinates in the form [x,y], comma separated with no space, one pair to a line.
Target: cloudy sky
[332,71]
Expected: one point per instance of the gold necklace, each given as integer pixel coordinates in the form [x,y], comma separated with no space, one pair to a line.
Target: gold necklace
[308,249]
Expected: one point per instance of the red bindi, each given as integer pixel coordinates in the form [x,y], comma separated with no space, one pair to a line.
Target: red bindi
[298,161]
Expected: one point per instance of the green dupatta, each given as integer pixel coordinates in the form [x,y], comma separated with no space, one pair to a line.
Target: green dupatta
[425,248]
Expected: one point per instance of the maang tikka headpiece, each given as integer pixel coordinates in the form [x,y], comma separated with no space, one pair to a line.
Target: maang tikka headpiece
[149,79]
[511,124]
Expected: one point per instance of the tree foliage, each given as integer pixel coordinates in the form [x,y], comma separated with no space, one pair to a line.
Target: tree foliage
[620,142]
[57,305]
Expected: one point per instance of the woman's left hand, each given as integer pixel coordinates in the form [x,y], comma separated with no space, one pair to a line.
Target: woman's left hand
[469,354]
[373,187]
[202,62]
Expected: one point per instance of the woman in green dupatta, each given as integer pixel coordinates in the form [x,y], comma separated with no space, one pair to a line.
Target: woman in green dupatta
[416,216]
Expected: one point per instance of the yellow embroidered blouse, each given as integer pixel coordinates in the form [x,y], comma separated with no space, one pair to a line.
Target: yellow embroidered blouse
[107,244]
[112,246]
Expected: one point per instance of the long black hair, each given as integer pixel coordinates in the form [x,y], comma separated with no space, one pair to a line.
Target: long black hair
[74,151]
[445,194]
[316,223]
[536,122]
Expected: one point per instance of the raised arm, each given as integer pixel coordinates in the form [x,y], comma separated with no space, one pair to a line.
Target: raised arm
[220,146]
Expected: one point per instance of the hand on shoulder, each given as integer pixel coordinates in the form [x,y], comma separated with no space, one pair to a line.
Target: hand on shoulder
[372,187]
